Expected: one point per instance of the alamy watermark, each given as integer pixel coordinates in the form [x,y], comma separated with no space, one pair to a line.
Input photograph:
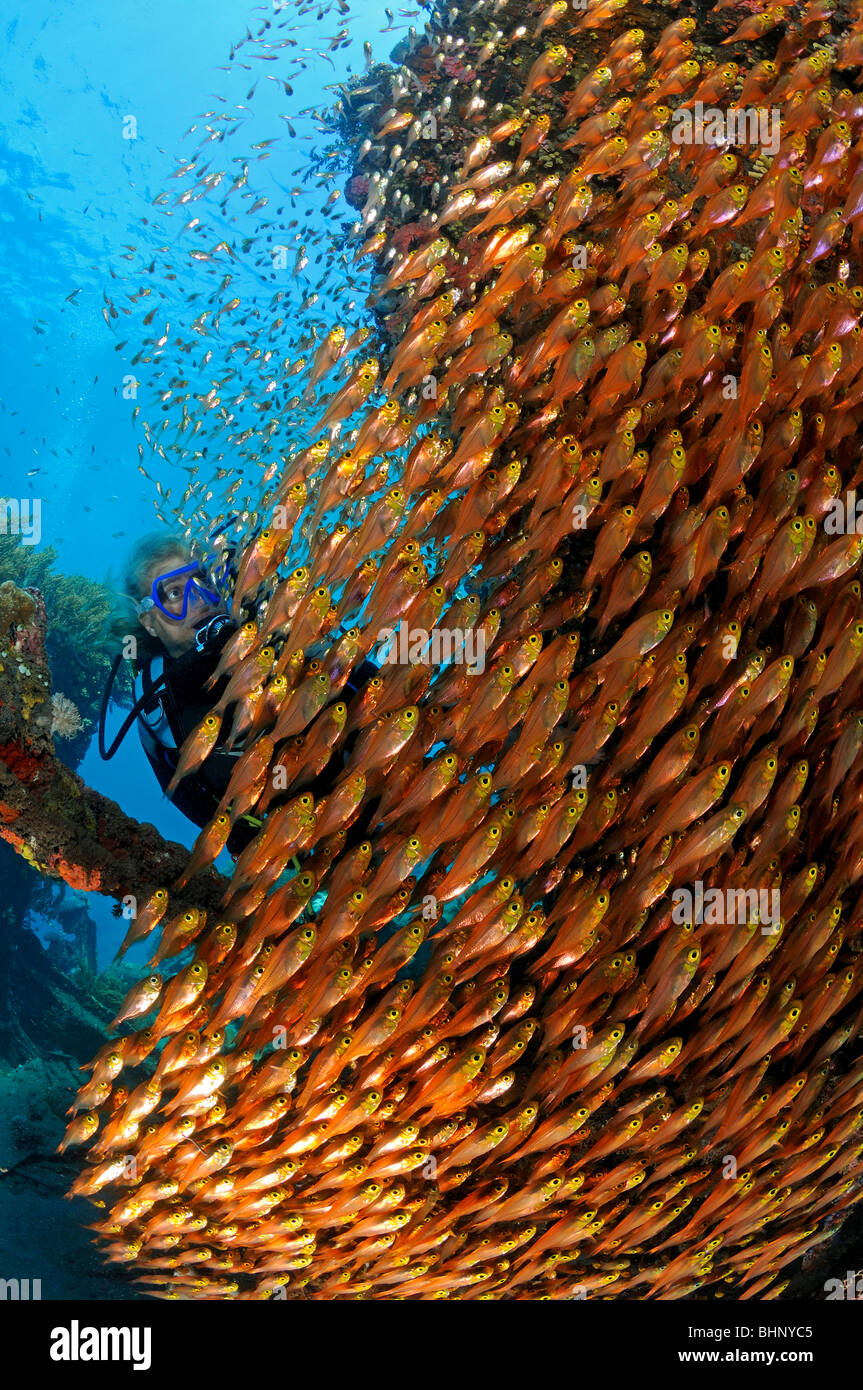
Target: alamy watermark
[22,518]
[844,517]
[417,646]
[733,906]
[708,125]
[17,1289]
[77,1343]
[851,1287]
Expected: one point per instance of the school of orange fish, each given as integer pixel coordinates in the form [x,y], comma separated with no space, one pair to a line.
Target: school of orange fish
[622,402]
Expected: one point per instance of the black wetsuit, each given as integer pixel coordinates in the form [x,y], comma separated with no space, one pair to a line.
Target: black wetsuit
[180,704]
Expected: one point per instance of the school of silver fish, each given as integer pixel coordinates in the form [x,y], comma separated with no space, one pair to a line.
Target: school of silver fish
[618,398]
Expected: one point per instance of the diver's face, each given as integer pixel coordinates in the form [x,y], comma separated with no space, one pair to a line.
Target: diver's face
[176,636]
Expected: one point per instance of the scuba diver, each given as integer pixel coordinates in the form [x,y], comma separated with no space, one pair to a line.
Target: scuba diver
[181,608]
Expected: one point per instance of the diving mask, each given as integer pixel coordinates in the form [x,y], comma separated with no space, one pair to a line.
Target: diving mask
[173,591]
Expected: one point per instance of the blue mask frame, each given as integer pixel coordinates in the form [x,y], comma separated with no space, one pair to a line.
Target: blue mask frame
[194,584]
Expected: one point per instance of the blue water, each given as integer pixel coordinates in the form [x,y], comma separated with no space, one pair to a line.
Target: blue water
[75,81]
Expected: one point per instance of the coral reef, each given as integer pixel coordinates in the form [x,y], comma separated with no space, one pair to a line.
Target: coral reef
[59,825]
[357,190]
[79,646]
